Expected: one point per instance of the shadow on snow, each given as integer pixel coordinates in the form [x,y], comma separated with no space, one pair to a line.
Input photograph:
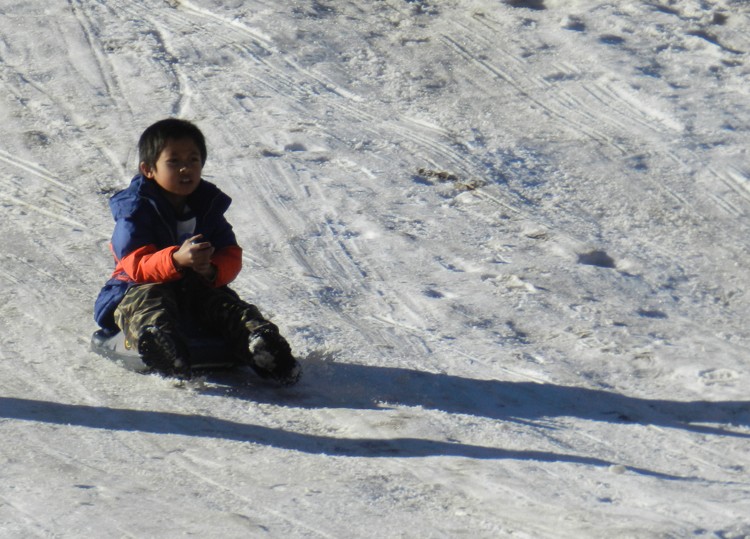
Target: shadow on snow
[340,385]
[154,422]
[328,384]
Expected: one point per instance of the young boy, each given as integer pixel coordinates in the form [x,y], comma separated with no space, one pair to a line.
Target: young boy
[175,254]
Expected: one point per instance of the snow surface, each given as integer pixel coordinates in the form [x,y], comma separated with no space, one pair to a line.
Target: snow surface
[508,239]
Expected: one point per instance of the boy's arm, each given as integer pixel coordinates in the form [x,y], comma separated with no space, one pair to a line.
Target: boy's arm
[228,263]
[149,265]
[136,251]
[137,255]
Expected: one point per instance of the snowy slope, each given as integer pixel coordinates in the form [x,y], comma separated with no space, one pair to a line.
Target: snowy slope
[508,239]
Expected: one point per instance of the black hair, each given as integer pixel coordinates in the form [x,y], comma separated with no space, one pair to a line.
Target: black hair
[154,139]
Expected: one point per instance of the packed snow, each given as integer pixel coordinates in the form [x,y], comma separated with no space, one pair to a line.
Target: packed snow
[508,240]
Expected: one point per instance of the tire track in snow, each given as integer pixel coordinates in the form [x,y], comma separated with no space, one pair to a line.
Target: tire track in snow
[25,521]
[164,53]
[35,207]
[640,122]
[267,43]
[632,110]
[35,268]
[603,110]
[42,206]
[235,24]
[738,183]
[276,63]
[183,87]
[285,76]
[37,171]
[433,145]
[601,102]
[511,79]
[106,72]
[50,106]
[343,277]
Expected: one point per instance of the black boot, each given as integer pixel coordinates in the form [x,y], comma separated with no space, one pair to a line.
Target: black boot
[161,351]
[271,356]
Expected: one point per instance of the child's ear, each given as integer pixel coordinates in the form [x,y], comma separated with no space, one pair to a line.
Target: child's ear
[146,170]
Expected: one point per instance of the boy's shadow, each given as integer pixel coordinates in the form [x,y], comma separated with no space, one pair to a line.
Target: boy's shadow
[327,384]
[341,385]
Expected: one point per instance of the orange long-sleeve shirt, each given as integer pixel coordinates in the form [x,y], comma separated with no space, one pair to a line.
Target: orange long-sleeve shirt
[149,265]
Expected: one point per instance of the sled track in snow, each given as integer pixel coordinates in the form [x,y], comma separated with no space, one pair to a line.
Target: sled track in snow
[36,171]
[112,86]
[592,103]
[55,201]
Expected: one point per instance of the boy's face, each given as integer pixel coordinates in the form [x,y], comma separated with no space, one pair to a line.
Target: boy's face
[178,169]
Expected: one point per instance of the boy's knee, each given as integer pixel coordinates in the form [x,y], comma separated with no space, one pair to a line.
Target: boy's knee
[148,304]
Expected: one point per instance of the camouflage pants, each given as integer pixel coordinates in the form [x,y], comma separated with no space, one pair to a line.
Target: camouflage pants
[188,305]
